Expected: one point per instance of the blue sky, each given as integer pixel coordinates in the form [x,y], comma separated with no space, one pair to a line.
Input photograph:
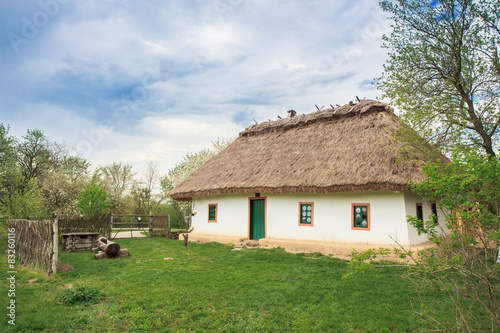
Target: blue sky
[136,81]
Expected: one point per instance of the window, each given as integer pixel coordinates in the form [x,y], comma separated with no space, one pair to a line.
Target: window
[434,213]
[212,213]
[360,216]
[306,213]
[420,216]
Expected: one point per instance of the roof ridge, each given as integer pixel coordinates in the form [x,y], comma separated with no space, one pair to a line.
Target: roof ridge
[364,107]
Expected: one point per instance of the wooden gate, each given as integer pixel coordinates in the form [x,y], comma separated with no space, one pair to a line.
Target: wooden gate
[134,226]
[129,226]
[160,226]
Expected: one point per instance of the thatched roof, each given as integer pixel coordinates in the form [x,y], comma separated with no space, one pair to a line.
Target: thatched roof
[349,148]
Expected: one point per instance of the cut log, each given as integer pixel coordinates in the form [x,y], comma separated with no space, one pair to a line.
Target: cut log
[104,255]
[110,248]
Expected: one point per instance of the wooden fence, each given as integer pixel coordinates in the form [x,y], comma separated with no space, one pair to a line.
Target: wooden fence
[36,243]
[160,226]
[78,225]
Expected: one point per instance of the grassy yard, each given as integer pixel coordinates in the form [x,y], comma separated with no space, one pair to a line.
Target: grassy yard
[212,289]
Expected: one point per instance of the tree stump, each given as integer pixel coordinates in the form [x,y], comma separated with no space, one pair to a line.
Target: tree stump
[112,249]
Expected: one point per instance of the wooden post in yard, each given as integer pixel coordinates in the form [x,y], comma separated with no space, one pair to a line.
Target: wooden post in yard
[55,247]
[150,224]
[110,226]
[168,226]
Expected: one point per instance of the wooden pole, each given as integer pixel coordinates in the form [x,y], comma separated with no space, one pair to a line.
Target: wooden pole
[110,226]
[55,247]
[150,225]
[168,227]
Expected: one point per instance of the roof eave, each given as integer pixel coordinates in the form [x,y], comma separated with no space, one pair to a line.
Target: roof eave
[187,196]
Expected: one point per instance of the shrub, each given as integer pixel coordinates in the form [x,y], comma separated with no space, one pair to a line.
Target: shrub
[81,294]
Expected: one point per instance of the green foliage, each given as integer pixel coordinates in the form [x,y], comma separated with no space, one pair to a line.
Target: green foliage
[461,265]
[39,178]
[93,201]
[365,260]
[62,183]
[26,204]
[33,154]
[469,187]
[443,70]
[81,294]
[10,173]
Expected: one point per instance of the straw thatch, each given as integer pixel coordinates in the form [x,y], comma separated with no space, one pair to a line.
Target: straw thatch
[349,148]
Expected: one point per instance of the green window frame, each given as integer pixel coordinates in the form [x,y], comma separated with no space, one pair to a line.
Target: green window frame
[306,213]
[360,213]
[212,213]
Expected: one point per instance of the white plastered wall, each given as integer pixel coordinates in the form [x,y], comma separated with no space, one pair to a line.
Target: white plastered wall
[331,220]
[332,217]
[411,200]
[232,215]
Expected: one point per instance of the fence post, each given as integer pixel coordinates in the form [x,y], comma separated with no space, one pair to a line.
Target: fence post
[150,224]
[55,247]
[110,226]
[168,226]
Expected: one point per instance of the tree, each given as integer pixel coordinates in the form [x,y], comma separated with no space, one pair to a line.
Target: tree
[460,269]
[33,154]
[189,163]
[9,171]
[443,70]
[117,178]
[463,263]
[25,204]
[37,174]
[93,201]
[61,185]
[151,178]
[187,166]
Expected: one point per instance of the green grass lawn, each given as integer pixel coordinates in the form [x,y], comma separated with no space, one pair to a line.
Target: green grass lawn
[212,289]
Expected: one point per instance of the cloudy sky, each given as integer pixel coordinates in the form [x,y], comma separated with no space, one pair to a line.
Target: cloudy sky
[134,81]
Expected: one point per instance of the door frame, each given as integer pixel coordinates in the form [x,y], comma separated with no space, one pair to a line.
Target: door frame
[265,214]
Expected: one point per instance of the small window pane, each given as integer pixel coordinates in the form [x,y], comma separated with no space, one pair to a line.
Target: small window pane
[360,217]
[306,213]
[212,213]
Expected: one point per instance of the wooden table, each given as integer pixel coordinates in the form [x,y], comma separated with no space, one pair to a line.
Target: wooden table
[79,241]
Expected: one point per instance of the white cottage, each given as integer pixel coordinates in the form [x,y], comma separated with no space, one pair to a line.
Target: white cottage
[334,175]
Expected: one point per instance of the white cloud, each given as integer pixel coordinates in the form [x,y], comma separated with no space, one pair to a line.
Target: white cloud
[187,72]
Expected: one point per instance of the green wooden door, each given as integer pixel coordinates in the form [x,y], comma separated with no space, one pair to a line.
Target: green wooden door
[257,219]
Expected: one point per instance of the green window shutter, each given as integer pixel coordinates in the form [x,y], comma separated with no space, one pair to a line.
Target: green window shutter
[212,213]
[306,213]
[361,216]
